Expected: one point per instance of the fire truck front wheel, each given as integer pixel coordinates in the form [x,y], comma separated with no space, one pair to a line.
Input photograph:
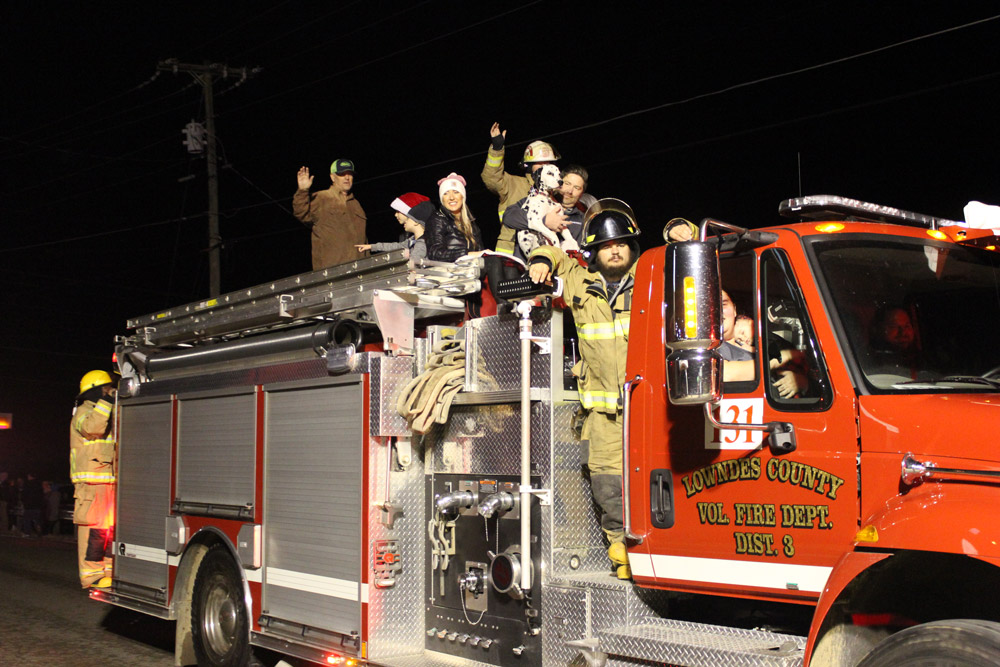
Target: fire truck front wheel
[958,643]
[219,625]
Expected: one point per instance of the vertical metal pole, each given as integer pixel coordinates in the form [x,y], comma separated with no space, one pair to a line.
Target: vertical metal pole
[524,309]
[214,238]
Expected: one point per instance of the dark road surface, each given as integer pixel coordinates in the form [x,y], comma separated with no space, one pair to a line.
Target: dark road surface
[47,619]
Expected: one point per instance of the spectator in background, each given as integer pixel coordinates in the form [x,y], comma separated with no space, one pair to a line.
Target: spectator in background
[335,217]
[50,506]
[3,502]
[32,497]
[511,188]
[412,212]
[10,495]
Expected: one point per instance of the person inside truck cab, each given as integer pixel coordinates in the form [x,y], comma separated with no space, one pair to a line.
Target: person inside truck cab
[893,344]
[600,299]
[787,375]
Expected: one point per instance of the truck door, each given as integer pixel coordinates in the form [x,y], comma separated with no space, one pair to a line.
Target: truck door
[716,508]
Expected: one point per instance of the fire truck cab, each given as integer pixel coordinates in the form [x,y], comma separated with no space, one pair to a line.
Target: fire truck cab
[818,496]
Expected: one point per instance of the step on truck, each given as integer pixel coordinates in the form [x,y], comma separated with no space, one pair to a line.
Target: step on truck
[828,498]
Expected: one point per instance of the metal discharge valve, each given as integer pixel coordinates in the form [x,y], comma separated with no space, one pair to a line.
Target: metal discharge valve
[497,502]
[450,503]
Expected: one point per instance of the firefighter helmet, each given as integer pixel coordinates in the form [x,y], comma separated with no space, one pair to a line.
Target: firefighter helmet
[608,219]
[94,379]
[539,151]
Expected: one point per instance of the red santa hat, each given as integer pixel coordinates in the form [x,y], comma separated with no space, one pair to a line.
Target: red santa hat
[415,206]
[451,182]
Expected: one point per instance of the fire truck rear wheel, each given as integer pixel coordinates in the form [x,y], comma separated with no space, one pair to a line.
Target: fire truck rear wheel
[219,624]
[958,643]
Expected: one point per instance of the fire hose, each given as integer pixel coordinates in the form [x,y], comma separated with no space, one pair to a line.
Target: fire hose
[427,398]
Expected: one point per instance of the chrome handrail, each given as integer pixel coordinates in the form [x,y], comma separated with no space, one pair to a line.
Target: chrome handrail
[626,464]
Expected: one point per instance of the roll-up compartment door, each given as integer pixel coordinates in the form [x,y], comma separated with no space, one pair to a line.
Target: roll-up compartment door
[143,497]
[216,455]
[313,500]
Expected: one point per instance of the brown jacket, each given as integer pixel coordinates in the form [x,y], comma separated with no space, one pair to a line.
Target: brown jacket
[336,226]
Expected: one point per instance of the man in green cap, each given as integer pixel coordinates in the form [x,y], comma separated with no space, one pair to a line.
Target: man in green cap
[335,217]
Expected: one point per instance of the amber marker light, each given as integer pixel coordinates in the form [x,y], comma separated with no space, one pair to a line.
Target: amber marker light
[828,227]
[937,234]
[690,309]
[867,534]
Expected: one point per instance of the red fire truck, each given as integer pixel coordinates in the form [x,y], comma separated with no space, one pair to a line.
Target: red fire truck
[821,497]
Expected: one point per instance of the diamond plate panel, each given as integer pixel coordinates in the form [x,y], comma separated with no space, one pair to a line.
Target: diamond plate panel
[493,350]
[394,614]
[486,439]
[699,645]
[564,619]
[387,378]
[577,539]
[433,659]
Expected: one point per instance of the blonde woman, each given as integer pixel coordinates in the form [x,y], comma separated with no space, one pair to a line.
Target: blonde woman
[452,231]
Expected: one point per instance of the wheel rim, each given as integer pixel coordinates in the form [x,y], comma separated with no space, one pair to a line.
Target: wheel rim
[221,618]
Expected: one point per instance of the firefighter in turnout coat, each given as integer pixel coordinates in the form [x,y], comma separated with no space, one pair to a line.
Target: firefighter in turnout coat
[600,299]
[92,470]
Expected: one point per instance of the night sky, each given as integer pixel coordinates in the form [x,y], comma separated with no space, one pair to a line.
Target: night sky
[680,109]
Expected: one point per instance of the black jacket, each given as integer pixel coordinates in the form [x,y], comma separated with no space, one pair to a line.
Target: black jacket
[445,242]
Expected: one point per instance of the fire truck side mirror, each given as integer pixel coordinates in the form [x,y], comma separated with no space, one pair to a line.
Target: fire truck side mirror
[693,323]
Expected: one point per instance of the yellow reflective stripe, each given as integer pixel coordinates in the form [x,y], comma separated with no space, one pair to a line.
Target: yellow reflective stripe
[599,399]
[603,330]
[494,161]
[101,410]
[92,572]
[102,477]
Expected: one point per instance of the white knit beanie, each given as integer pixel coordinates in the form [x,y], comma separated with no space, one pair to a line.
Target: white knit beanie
[451,182]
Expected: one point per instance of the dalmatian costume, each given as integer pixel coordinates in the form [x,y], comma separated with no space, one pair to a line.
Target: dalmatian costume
[541,199]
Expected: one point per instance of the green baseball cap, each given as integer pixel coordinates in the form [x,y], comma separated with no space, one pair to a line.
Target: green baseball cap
[341,166]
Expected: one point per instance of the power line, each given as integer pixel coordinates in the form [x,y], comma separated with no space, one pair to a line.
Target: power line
[64,118]
[341,36]
[774,77]
[628,115]
[380,58]
[111,128]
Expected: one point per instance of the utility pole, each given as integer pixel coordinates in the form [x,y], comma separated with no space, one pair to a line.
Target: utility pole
[206,76]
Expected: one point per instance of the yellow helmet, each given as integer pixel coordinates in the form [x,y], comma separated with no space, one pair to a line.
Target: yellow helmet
[94,379]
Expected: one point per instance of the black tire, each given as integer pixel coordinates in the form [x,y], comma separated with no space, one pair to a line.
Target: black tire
[952,643]
[220,627]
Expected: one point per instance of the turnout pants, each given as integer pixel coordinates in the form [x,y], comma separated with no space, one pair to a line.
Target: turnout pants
[93,553]
[94,516]
[602,437]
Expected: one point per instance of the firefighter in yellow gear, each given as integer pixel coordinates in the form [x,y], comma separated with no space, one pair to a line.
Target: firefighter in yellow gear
[511,188]
[600,298]
[92,470]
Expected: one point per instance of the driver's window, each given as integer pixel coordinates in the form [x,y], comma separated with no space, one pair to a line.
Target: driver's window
[797,377]
[739,329]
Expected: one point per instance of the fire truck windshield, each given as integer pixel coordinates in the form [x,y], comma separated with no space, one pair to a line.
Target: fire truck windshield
[917,316]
